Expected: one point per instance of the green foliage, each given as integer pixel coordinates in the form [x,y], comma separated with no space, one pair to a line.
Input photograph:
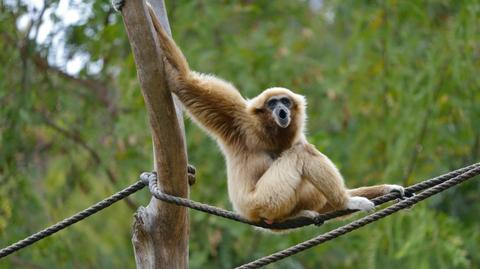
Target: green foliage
[393,96]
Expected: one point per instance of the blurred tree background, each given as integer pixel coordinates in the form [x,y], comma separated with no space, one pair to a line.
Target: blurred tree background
[394,97]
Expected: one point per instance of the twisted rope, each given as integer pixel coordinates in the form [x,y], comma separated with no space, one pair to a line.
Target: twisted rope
[72,220]
[408,192]
[150,179]
[362,222]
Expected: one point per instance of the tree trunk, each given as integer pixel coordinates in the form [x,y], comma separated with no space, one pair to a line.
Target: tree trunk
[160,230]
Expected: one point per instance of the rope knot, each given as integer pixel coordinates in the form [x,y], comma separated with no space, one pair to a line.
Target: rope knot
[146,177]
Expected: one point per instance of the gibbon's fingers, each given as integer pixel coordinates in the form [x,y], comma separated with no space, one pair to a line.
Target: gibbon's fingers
[395,188]
[191,179]
[191,171]
[118,4]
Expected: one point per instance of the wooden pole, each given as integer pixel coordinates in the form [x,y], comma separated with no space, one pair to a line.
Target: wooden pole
[160,230]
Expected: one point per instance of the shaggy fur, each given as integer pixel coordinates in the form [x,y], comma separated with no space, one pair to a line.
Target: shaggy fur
[273,172]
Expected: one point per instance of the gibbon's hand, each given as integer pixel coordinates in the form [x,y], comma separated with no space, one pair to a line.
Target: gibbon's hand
[118,4]
[400,190]
[191,171]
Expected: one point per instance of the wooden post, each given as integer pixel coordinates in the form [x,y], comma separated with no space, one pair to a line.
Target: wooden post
[160,230]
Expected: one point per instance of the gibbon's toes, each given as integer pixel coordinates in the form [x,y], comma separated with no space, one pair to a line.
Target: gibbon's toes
[191,171]
[269,222]
[360,203]
[307,214]
[396,188]
[118,4]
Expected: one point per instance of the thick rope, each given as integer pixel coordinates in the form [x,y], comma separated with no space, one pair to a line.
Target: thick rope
[361,222]
[150,179]
[71,220]
[408,192]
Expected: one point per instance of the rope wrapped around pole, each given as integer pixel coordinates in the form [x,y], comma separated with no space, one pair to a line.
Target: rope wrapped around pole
[150,179]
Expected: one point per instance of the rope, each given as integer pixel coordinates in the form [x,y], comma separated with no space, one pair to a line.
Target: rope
[362,222]
[72,220]
[408,191]
[150,179]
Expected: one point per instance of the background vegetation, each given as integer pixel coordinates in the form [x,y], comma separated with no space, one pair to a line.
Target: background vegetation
[393,90]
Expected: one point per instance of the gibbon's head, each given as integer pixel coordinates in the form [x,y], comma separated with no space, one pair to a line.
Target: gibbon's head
[281,108]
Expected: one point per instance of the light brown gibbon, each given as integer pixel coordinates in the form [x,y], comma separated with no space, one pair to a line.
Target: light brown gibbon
[274,173]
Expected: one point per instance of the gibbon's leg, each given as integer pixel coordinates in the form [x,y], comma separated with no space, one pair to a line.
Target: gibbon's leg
[275,194]
[371,192]
[323,174]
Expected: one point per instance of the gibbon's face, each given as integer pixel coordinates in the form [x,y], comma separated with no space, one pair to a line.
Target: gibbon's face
[280,108]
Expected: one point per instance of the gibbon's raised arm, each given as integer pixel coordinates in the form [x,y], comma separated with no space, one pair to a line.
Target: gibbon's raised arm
[214,103]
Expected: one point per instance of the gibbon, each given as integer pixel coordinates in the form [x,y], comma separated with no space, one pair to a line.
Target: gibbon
[274,173]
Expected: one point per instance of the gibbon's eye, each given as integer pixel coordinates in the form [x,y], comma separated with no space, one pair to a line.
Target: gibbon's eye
[272,103]
[286,101]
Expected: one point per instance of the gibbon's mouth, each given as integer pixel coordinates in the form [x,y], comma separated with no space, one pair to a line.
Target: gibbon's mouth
[282,116]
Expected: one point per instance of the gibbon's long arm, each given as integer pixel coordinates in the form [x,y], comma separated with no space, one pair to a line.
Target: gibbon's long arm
[215,103]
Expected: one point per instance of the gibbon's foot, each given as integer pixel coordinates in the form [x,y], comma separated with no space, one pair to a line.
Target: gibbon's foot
[118,4]
[306,214]
[401,190]
[398,189]
[191,171]
[302,214]
[360,203]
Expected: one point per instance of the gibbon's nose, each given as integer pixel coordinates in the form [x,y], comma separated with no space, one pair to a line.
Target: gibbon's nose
[281,115]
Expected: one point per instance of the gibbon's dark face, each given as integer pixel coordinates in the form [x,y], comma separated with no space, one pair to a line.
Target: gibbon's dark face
[280,107]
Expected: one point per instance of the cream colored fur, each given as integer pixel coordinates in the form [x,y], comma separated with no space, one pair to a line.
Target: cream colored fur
[273,172]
